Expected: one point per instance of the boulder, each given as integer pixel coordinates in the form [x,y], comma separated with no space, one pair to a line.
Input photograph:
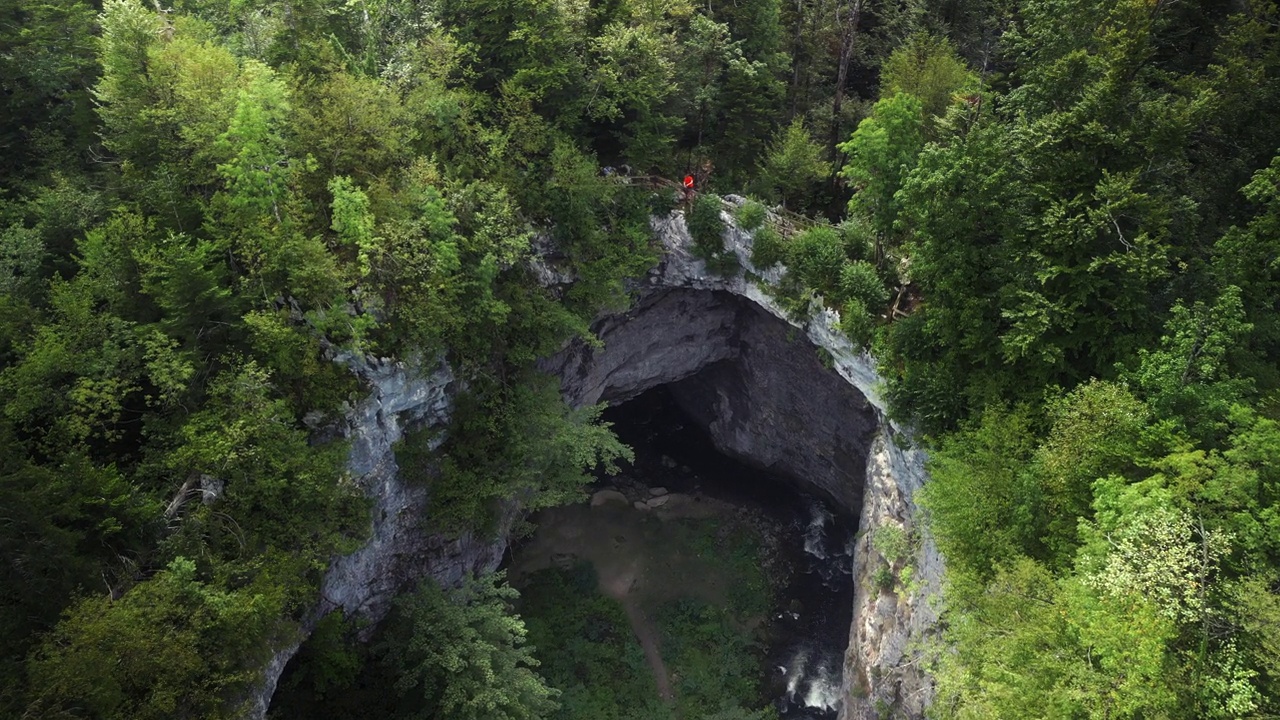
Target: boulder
[602,497]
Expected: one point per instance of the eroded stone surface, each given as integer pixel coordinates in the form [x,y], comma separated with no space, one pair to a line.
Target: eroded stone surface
[889,626]
[775,406]
[601,497]
[753,381]
[401,549]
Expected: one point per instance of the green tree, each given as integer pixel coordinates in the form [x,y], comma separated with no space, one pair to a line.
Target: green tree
[353,222]
[172,646]
[881,152]
[707,48]
[65,527]
[462,654]
[985,508]
[706,227]
[516,442]
[1241,259]
[792,166]
[927,68]
[352,126]
[633,79]
[256,170]
[46,68]
[767,248]
[129,33]
[283,494]
[1098,430]
[1188,376]
[1030,645]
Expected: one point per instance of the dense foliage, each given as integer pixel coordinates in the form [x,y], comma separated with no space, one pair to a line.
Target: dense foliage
[1060,230]
[457,653]
[711,647]
[1085,243]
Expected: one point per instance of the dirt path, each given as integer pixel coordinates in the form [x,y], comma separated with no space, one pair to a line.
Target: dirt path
[648,636]
[634,559]
[618,582]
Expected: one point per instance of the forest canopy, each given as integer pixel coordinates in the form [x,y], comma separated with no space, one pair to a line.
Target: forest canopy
[1055,222]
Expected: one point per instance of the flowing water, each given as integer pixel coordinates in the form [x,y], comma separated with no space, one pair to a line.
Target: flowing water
[807,548]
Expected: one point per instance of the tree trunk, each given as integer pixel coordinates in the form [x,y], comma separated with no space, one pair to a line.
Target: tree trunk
[848,41]
[796,60]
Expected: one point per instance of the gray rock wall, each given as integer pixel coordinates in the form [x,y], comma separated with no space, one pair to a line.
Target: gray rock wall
[757,384]
[665,337]
[735,360]
[889,624]
[401,549]
[775,405]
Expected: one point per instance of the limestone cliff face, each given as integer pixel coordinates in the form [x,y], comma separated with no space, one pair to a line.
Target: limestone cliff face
[811,411]
[753,381]
[401,550]
[890,622]
[795,397]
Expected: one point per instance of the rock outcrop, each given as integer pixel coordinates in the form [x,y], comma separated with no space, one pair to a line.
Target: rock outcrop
[882,662]
[401,549]
[792,396]
[754,382]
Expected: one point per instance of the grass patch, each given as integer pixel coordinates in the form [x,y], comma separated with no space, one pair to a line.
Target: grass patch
[706,597]
[714,660]
[587,649]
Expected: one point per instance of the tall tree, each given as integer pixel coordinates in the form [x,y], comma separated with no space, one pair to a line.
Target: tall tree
[463,655]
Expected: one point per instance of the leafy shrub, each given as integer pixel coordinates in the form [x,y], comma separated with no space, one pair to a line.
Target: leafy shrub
[707,230]
[859,281]
[883,577]
[857,322]
[816,257]
[661,203]
[329,662]
[767,248]
[751,215]
[705,226]
[858,238]
[891,542]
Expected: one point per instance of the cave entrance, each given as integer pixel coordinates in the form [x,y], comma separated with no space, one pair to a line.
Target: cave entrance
[759,388]
[716,568]
[691,583]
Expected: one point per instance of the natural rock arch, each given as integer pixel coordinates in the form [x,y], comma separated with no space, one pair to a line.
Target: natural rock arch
[756,384]
[795,397]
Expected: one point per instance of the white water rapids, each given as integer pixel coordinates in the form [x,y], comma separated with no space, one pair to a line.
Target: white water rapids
[814,665]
